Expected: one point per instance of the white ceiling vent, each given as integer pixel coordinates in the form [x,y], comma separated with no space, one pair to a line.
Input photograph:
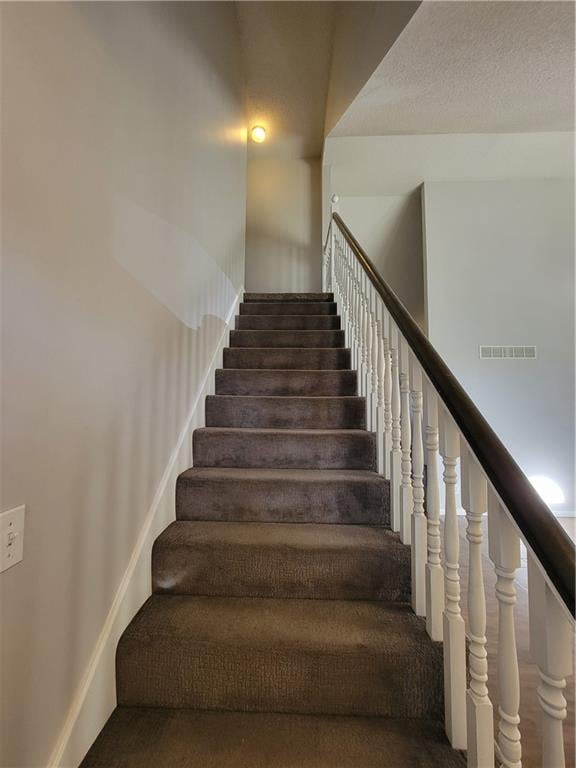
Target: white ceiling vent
[507,353]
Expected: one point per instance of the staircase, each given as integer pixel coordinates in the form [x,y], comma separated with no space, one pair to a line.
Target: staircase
[279,633]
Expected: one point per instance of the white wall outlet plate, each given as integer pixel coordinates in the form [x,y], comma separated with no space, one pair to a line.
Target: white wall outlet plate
[11,537]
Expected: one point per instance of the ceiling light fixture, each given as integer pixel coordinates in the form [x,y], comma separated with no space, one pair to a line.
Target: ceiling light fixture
[258,134]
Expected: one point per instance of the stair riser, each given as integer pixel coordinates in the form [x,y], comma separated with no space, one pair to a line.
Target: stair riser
[294,383]
[288,322]
[291,339]
[286,412]
[289,298]
[282,572]
[296,308]
[295,359]
[340,501]
[284,451]
[174,672]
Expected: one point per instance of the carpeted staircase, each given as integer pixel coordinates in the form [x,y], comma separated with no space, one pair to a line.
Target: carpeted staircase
[279,633]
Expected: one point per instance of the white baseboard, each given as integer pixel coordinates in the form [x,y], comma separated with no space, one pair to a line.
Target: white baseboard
[95,697]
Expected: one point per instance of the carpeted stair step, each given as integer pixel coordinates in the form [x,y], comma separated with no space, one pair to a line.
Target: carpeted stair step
[284,449]
[288,297]
[315,339]
[286,412]
[288,308]
[262,655]
[301,359]
[288,322]
[230,381]
[137,737]
[283,495]
[281,560]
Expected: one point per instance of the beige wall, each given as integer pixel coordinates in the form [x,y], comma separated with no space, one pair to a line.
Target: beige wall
[123,213]
[389,228]
[283,225]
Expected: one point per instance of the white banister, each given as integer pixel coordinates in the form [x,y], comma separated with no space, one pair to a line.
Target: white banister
[418,531]
[453,623]
[551,647]
[434,572]
[480,725]
[504,549]
[416,424]
[406,442]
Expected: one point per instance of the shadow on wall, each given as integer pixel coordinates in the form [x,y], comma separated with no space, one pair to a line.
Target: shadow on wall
[283,225]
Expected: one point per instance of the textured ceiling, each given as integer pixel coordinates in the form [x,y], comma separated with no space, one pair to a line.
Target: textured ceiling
[286,49]
[472,67]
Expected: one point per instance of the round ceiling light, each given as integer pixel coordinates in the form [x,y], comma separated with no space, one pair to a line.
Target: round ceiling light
[258,134]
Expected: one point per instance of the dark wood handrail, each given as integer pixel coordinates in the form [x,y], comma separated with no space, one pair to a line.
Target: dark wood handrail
[540,529]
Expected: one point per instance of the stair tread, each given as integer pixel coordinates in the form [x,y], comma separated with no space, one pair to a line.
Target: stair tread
[357,628]
[281,560]
[282,433]
[288,358]
[288,298]
[138,737]
[290,475]
[300,535]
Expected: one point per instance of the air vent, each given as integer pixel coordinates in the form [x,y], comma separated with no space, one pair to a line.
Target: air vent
[507,353]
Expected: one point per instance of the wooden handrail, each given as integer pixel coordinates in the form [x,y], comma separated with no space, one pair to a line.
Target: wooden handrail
[539,528]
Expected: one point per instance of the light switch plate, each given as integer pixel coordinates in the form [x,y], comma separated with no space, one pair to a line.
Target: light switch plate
[11,537]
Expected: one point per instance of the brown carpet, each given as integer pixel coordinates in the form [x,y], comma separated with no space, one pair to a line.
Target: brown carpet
[279,633]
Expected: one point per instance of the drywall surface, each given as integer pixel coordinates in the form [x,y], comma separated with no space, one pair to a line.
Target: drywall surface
[499,269]
[389,228]
[363,35]
[123,212]
[286,49]
[283,225]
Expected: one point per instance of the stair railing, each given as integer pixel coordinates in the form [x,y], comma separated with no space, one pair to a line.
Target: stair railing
[422,416]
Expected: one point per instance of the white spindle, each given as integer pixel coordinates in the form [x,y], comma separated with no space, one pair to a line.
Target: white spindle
[453,624]
[369,347]
[418,534]
[551,647]
[478,705]
[434,573]
[396,453]
[504,548]
[387,448]
[380,416]
[374,361]
[406,440]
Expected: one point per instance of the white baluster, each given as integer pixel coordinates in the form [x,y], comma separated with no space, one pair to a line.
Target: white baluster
[551,647]
[374,362]
[504,548]
[380,417]
[362,345]
[434,572]
[369,344]
[480,724]
[418,551]
[387,448]
[406,441]
[356,313]
[453,624]
[396,453]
